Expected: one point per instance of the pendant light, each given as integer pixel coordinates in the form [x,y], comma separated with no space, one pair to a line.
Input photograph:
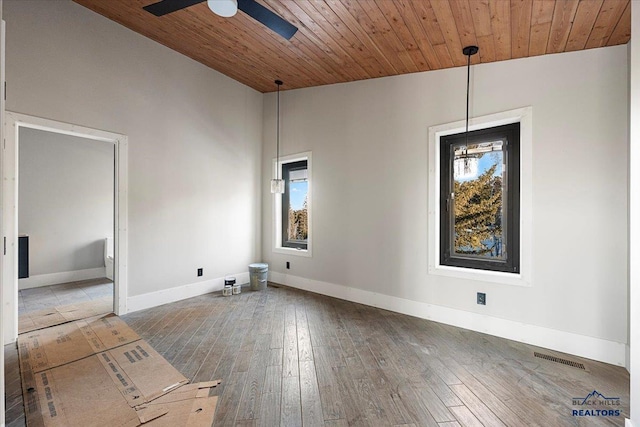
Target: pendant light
[468,51]
[277,184]
[463,165]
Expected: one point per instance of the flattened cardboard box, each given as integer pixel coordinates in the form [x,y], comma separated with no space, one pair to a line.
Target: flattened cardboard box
[140,372]
[189,405]
[62,344]
[47,348]
[104,389]
[62,314]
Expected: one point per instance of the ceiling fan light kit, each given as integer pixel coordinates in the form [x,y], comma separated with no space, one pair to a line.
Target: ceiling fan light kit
[227,9]
[224,8]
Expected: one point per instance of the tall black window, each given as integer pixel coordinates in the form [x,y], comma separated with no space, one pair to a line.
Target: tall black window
[295,223]
[480,199]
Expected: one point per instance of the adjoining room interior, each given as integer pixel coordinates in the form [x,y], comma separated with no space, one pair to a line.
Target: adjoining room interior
[65,221]
[451,238]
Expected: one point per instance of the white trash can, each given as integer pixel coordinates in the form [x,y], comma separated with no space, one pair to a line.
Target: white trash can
[258,274]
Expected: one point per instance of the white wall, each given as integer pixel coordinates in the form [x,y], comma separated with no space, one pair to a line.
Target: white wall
[65,201]
[194,136]
[370,158]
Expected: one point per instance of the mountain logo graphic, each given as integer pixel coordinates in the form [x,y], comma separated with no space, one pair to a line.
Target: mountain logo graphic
[595,394]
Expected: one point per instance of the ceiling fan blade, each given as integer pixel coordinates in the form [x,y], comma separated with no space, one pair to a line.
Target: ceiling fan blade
[267,18]
[167,6]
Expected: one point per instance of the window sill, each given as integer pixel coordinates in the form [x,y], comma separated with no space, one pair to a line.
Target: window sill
[293,251]
[481,275]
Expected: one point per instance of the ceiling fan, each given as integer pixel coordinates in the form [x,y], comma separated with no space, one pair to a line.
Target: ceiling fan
[228,8]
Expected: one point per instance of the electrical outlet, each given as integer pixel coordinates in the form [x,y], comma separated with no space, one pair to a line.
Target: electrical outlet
[482,298]
[288,265]
[199,272]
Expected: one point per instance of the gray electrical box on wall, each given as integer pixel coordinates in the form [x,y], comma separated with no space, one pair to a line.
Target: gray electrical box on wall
[23,256]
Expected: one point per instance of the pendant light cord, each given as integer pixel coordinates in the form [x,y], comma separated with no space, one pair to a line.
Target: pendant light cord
[466,134]
[278,137]
[468,51]
[279,83]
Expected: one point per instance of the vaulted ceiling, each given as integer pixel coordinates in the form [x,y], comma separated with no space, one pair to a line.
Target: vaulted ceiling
[346,40]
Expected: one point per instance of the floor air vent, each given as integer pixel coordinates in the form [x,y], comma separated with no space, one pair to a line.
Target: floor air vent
[559,360]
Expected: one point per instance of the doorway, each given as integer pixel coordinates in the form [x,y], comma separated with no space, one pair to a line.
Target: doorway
[113,245]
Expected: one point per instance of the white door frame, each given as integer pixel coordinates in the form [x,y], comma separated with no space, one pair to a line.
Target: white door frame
[9,277]
[2,311]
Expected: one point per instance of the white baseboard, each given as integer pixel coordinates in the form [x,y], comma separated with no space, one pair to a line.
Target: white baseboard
[627,360]
[628,423]
[62,277]
[565,342]
[166,296]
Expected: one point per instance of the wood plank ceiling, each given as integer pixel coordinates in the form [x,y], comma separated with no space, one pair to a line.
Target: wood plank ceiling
[346,40]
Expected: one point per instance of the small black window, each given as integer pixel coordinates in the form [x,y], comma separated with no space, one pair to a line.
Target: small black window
[295,224]
[480,199]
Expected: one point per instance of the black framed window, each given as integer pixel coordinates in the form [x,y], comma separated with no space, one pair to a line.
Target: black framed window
[295,215]
[480,199]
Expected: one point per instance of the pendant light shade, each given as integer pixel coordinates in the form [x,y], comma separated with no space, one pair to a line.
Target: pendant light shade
[277,183]
[465,166]
[277,186]
[224,8]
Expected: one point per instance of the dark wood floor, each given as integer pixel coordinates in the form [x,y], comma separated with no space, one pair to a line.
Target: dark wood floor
[292,358]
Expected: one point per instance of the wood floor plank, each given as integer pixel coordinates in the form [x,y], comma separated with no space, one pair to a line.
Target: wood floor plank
[443,391]
[273,379]
[167,319]
[465,417]
[332,407]
[150,317]
[495,404]
[227,361]
[249,405]
[291,410]
[512,394]
[179,356]
[310,394]
[246,423]
[290,354]
[277,329]
[413,408]
[304,338]
[275,356]
[219,362]
[352,403]
[172,330]
[374,410]
[242,361]
[476,406]
[189,360]
[434,405]
[172,346]
[385,389]
[227,407]
[270,404]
